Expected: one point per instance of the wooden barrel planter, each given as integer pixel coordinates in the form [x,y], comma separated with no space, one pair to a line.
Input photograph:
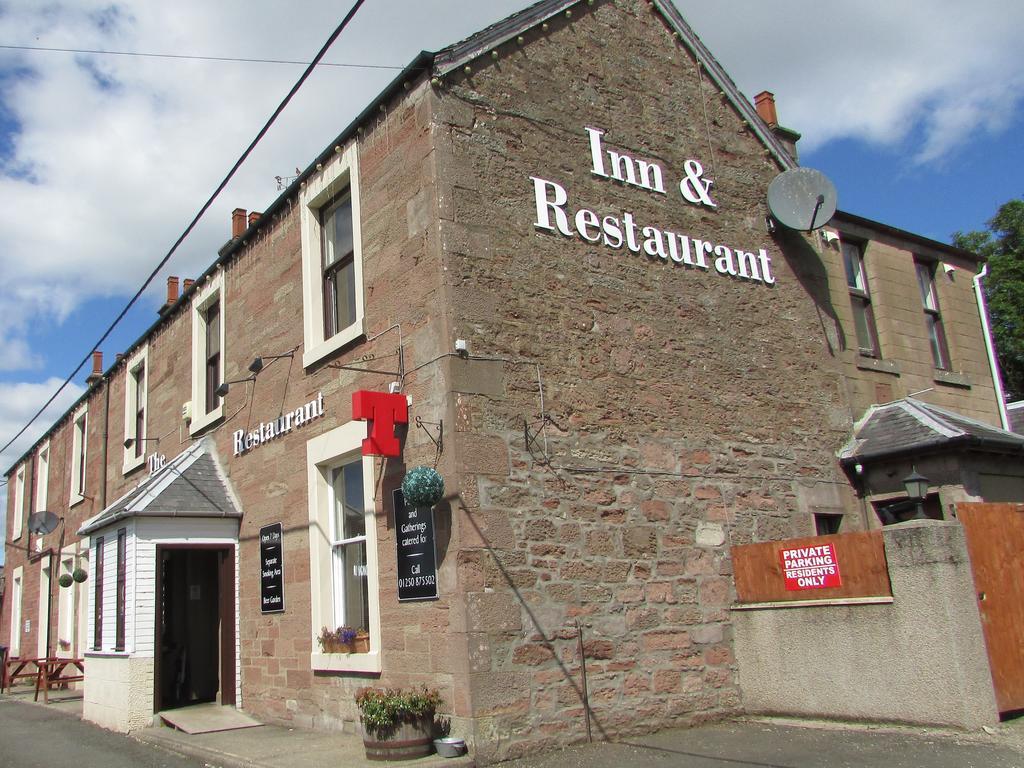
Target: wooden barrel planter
[408,740]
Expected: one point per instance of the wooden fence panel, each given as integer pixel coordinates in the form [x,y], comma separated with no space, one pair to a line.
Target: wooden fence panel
[760,576]
[995,541]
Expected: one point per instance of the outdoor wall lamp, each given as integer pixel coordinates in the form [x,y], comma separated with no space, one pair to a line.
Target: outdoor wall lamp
[223,389]
[916,486]
[257,362]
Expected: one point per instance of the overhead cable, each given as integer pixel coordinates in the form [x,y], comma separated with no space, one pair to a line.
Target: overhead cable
[98,52]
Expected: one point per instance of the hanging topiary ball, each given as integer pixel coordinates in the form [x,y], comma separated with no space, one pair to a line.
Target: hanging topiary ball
[422,487]
[79,575]
[65,580]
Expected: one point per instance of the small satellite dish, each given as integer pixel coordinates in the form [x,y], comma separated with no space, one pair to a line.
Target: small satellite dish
[42,523]
[802,198]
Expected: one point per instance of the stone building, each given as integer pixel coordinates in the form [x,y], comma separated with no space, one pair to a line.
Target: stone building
[544,253]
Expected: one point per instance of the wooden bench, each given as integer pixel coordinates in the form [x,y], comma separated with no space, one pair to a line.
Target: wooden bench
[57,672]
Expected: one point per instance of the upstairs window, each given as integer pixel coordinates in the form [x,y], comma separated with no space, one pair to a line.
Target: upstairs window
[79,454]
[42,485]
[860,299]
[339,278]
[18,515]
[932,316]
[207,354]
[332,270]
[135,401]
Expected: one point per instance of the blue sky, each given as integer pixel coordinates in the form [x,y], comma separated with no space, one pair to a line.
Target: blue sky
[914,109]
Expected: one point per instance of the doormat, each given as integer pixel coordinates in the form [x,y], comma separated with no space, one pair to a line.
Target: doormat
[207,718]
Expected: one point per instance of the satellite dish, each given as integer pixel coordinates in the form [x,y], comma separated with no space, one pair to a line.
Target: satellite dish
[42,522]
[802,198]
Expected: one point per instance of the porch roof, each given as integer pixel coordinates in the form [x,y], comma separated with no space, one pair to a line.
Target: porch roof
[193,484]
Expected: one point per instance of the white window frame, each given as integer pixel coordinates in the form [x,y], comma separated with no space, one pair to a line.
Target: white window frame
[17,590]
[79,453]
[42,485]
[212,292]
[341,172]
[18,513]
[133,398]
[323,454]
[66,604]
[43,622]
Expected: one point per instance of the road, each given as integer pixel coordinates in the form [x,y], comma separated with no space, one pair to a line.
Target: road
[37,737]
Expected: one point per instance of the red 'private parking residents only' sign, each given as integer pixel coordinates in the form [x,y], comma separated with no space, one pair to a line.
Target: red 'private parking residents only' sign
[811,567]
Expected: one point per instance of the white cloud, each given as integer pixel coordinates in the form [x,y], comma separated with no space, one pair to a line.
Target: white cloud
[875,70]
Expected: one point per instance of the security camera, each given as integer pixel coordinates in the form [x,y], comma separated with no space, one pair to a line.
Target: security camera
[949,269]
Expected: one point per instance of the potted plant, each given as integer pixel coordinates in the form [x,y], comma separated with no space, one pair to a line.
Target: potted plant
[336,640]
[397,723]
[361,642]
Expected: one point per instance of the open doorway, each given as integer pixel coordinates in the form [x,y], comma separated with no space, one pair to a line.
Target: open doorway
[195,626]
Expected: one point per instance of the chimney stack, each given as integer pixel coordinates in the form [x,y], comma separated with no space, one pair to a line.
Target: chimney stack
[97,368]
[189,282]
[764,102]
[172,294]
[237,222]
[254,217]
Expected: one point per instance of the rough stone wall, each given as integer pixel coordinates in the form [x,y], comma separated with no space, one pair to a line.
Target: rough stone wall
[703,410]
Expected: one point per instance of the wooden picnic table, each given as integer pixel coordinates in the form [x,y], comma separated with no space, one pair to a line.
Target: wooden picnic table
[57,671]
[14,669]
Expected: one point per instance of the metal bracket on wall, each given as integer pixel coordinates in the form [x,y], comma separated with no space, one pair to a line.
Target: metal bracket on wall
[531,438]
[439,440]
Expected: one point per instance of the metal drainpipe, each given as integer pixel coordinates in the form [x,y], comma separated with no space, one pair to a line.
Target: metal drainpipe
[993,365]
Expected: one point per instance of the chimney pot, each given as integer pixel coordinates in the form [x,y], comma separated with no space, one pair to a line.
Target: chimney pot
[254,217]
[237,222]
[765,104]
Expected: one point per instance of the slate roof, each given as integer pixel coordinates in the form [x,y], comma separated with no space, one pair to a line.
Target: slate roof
[191,485]
[911,426]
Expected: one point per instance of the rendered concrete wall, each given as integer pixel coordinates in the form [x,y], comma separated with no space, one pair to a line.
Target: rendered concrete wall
[118,692]
[919,659]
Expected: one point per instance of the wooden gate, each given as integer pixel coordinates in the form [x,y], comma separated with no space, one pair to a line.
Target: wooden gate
[995,541]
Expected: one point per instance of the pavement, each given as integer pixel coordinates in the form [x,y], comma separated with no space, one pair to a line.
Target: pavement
[742,743]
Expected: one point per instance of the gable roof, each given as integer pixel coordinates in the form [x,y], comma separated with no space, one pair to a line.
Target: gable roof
[501,32]
[911,426]
[191,485]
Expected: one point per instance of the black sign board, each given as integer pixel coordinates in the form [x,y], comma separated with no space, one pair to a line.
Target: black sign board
[271,569]
[417,562]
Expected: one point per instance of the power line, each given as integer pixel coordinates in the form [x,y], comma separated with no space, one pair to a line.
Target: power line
[202,211]
[190,57]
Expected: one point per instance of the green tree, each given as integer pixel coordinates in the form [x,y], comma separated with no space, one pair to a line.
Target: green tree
[1002,244]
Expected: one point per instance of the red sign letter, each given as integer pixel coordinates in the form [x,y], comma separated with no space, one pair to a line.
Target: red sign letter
[383,411]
